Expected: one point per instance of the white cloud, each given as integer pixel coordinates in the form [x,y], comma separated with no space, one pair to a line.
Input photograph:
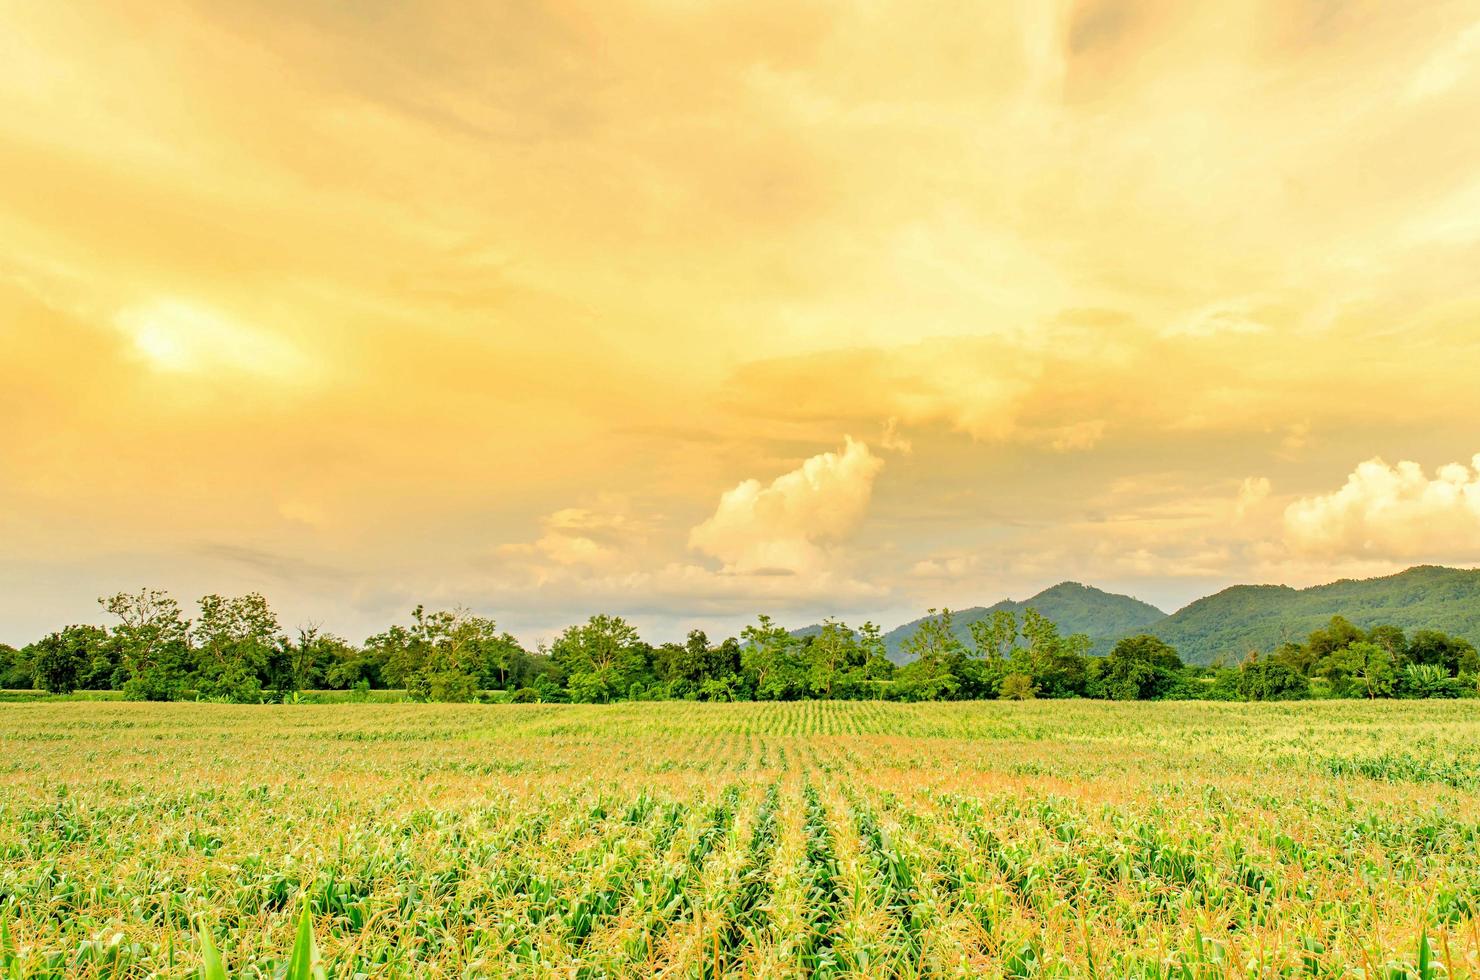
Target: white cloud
[1392,512]
[1251,493]
[785,527]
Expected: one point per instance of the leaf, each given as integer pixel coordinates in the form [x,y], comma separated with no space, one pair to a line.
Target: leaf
[211,967]
[1426,969]
[303,962]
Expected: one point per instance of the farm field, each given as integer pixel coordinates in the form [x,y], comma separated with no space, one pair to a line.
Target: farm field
[1056,839]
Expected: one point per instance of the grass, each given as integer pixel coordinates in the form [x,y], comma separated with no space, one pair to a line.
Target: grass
[1066,839]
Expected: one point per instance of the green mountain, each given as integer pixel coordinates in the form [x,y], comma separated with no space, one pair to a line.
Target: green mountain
[1261,617]
[1076,608]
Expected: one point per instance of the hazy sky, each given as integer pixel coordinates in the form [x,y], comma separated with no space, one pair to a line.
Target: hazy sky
[687,311]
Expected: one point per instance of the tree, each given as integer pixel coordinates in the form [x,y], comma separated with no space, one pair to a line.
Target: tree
[1270,680]
[1140,668]
[1451,654]
[770,658]
[995,638]
[235,638]
[1338,634]
[601,658]
[63,661]
[15,669]
[153,643]
[831,655]
[694,667]
[1018,687]
[1374,668]
[938,664]
[398,653]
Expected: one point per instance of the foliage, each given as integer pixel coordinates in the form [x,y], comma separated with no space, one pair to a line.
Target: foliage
[1102,616]
[235,650]
[1262,617]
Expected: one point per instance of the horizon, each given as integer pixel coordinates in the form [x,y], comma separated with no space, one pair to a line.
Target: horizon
[683,315]
[532,642]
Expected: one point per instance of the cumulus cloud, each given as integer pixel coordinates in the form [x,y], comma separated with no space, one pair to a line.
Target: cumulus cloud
[785,527]
[1388,511]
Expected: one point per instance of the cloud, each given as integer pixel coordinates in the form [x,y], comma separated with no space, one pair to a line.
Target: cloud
[1077,436]
[183,338]
[1392,512]
[787,525]
[1251,493]
[596,537]
[1447,67]
[892,440]
[1220,318]
[949,566]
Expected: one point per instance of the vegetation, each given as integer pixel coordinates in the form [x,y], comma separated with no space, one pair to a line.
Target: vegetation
[1072,839]
[1101,616]
[1262,617]
[235,650]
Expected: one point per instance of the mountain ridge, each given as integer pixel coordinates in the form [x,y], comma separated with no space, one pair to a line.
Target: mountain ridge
[1229,623]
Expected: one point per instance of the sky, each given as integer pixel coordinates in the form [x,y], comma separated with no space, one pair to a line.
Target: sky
[692,311]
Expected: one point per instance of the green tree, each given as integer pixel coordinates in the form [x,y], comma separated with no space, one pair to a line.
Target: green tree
[1375,669]
[995,637]
[1018,687]
[833,653]
[602,658]
[1451,654]
[938,661]
[152,638]
[398,654]
[234,638]
[698,669]
[1140,668]
[15,669]
[771,659]
[1270,680]
[63,660]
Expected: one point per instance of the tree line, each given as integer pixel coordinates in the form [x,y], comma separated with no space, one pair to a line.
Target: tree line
[234,649]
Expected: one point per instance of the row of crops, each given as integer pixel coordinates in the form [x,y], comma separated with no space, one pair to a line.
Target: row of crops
[747,840]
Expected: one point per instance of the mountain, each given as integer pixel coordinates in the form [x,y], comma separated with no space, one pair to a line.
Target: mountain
[1076,608]
[1260,617]
[1229,624]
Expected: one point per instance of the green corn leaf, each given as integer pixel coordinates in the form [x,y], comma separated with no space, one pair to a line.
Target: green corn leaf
[1426,968]
[211,967]
[303,962]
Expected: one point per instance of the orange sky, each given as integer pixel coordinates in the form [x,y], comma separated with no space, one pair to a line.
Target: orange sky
[691,311]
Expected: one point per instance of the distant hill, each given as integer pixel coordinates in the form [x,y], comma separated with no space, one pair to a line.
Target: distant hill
[1261,617]
[1244,617]
[1076,608]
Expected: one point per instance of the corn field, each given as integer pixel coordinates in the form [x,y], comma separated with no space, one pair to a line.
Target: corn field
[829,839]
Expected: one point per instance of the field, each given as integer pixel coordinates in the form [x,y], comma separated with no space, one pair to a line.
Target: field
[1066,839]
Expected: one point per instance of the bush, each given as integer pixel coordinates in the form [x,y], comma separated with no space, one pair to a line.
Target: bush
[1270,680]
[1017,687]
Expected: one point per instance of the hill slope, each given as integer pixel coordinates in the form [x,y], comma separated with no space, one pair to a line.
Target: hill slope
[1076,608]
[1261,617]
